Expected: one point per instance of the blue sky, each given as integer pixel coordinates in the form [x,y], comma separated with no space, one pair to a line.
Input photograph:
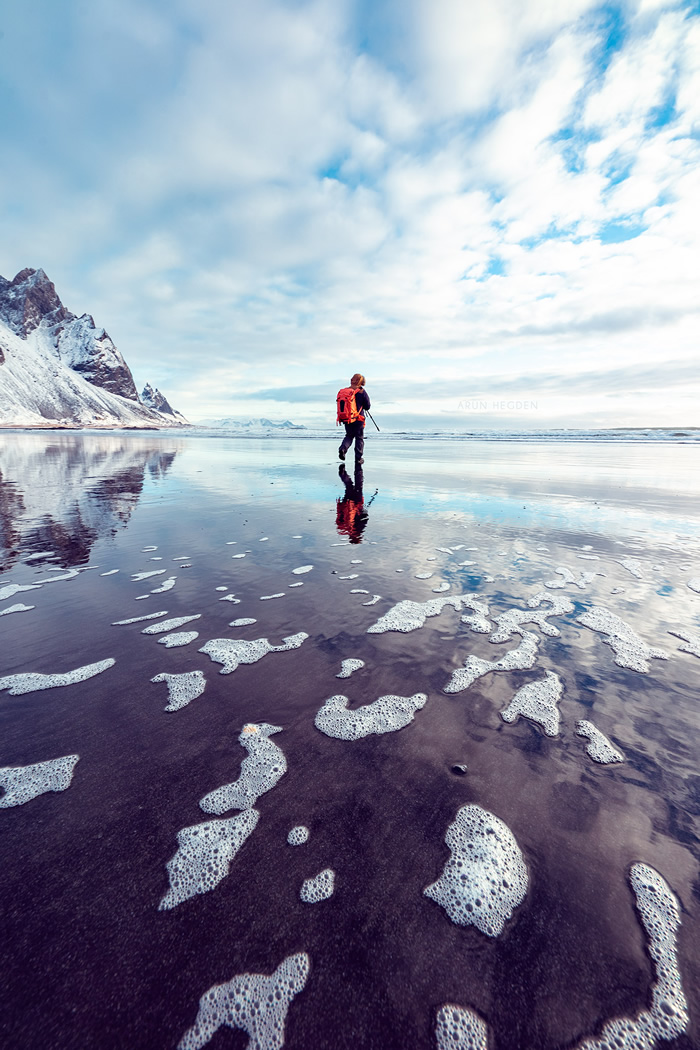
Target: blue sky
[489,207]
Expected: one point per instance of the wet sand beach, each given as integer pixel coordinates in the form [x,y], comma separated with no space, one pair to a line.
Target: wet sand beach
[583,557]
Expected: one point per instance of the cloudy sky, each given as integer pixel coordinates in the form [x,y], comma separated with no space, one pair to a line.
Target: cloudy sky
[488,207]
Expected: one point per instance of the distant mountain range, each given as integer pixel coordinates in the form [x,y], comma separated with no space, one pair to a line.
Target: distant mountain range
[250,425]
[59,370]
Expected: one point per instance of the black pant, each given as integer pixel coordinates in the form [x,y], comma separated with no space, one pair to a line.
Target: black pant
[354,432]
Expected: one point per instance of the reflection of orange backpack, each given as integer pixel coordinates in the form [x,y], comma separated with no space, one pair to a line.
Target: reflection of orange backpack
[347,516]
[348,411]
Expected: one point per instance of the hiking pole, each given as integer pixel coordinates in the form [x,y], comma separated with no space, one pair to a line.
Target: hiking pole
[370,416]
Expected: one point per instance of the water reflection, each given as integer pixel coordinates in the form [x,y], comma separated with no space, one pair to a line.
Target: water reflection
[351,514]
[59,494]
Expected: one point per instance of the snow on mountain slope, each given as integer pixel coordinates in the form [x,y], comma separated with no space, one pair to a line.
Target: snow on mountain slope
[154,399]
[57,369]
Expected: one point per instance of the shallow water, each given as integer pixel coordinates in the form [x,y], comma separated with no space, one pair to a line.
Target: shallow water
[90,959]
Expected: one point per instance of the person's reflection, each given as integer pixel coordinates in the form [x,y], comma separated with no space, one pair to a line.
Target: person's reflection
[351,514]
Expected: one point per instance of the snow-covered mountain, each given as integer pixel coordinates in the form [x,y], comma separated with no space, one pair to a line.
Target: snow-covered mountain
[154,399]
[250,425]
[59,370]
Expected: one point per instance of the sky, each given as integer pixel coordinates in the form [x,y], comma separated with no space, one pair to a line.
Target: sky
[487,207]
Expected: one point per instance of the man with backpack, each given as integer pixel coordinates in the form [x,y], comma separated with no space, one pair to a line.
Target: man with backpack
[352,401]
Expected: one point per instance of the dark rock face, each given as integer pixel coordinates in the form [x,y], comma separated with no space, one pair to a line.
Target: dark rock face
[28,300]
[154,399]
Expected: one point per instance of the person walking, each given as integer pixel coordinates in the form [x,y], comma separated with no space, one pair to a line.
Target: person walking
[352,403]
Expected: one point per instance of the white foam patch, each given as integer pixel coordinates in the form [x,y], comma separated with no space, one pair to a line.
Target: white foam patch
[37,555]
[348,666]
[299,584]
[520,659]
[230,598]
[424,575]
[692,642]
[234,651]
[22,783]
[145,550]
[166,585]
[264,765]
[16,609]
[373,600]
[252,1002]
[138,619]
[358,590]
[441,587]
[599,747]
[298,835]
[182,688]
[510,622]
[356,561]
[170,625]
[387,714]
[269,597]
[138,576]
[18,684]
[182,557]
[14,588]
[296,537]
[632,565]
[538,702]
[694,584]
[204,855]
[567,577]
[351,576]
[618,590]
[110,573]
[320,888]
[158,558]
[458,1028]
[668,1017]
[173,641]
[238,555]
[302,569]
[629,649]
[70,575]
[444,550]
[590,557]
[243,621]
[485,878]
[141,597]
[410,616]
[221,588]
[263,539]
[478,619]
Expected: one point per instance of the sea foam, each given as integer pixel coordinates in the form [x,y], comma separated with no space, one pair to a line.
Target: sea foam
[510,622]
[170,625]
[264,765]
[458,1028]
[252,1002]
[22,783]
[16,609]
[599,747]
[519,659]
[485,878]
[17,684]
[348,666]
[538,702]
[629,649]
[204,855]
[408,616]
[319,888]
[182,688]
[173,641]
[387,714]
[298,835]
[234,651]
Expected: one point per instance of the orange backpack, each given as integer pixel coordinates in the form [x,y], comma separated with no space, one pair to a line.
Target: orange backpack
[348,411]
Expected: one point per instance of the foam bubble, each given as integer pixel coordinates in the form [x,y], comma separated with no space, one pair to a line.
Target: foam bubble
[538,702]
[264,765]
[16,608]
[70,575]
[519,659]
[17,684]
[145,550]
[299,584]
[204,855]
[458,1028]
[694,584]
[692,641]
[298,835]
[410,616]
[301,570]
[441,587]
[387,714]
[22,783]
[485,878]
[356,561]
[166,585]
[182,688]
[373,600]
[348,666]
[358,590]
[138,576]
[352,576]
[141,597]
[110,573]
[629,649]
[510,622]
[234,651]
[14,588]
[632,565]
[445,550]
[320,888]
[424,575]
[182,557]
[252,1002]
[137,619]
[172,641]
[238,555]
[568,577]
[170,625]
[243,621]
[599,747]
[668,1017]
[589,557]
[477,620]
[230,598]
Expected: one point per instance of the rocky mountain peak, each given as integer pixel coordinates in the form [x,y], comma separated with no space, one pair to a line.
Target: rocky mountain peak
[153,398]
[29,299]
